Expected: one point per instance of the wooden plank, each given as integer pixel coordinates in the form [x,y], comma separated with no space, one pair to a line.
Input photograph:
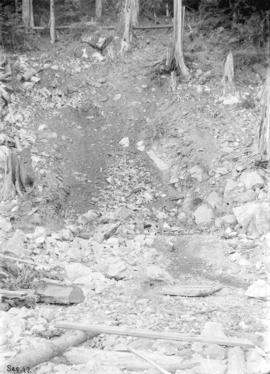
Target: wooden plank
[154,335]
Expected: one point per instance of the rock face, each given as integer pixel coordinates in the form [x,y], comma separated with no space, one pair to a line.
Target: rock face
[203,215]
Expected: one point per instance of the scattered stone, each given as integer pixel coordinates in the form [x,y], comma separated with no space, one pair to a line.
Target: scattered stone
[140,145]
[254,216]
[16,243]
[65,234]
[212,366]
[165,348]
[5,225]
[117,97]
[232,189]
[214,199]
[88,217]
[213,330]
[156,273]
[124,142]
[203,215]
[256,363]
[197,172]
[236,361]
[251,179]
[229,219]
[259,290]
[76,270]
[116,271]
[214,351]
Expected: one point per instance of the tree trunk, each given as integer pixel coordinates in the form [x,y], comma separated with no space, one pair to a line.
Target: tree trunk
[52,21]
[26,12]
[135,10]
[178,22]
[98,8]
[264,126]
[127,26]
[31,18]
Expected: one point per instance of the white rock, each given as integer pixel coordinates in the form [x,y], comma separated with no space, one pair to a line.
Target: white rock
[214,351]
[88,217]
[117,97]
[213,330]
[232,189]
[124,142]
[76,270]
[259,289]
[116,270]
[231,99]
[140,145]
[256,364]
[154,272]
[229,219]
[208,366]
[5,225]
[98,56]
[257,213]
[197,172]
[16,243]
[40,231]
[203,215]
[251,179]
[66,234]
[214,199]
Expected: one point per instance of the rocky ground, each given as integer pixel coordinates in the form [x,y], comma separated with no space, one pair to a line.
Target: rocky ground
[146,197]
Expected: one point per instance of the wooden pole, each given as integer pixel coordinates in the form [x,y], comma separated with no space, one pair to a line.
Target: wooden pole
[52,21]
[153,335]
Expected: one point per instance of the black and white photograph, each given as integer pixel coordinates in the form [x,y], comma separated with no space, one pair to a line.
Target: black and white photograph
[135,186]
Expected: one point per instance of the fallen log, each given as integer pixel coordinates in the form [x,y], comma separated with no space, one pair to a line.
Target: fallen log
[79,26]
[126,360]
[227,341]
[53,292]
[49,349]
[188,290]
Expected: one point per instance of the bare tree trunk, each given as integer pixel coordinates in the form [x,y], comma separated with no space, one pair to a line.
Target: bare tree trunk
[52,21]
[178,21]
[98,8]
[31,20]
[129,20]
[26,12]
[127,27]
[264,126]
[135,10]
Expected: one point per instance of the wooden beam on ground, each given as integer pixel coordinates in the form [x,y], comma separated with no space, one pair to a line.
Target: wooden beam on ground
[227,341]
[49,349]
